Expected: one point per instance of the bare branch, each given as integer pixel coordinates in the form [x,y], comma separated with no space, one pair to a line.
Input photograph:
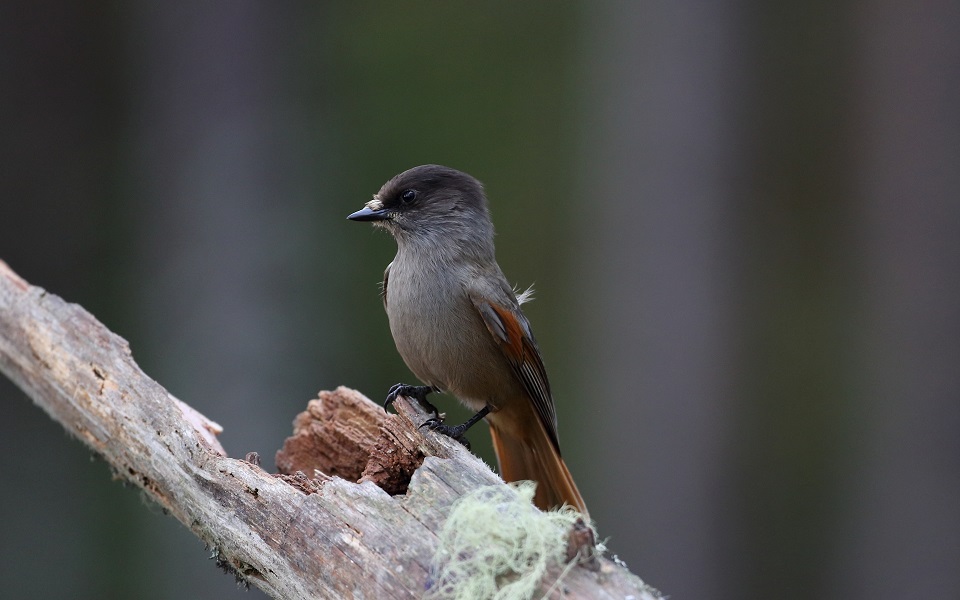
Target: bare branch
[332,533]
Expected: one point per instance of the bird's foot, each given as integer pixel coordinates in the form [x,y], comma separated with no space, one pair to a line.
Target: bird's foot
[456,432]
[437,424]
[417,392]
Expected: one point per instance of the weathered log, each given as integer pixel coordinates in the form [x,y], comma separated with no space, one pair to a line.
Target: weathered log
[357,514]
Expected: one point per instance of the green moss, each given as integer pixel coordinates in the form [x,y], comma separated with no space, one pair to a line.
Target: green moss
[497,545]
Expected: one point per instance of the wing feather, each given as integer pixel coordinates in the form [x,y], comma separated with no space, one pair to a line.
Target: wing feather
[513,335]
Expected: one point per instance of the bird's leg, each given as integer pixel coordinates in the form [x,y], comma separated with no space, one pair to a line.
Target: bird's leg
[435,424]
[417,392]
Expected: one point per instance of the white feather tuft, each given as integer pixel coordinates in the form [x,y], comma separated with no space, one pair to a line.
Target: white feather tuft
[524,296]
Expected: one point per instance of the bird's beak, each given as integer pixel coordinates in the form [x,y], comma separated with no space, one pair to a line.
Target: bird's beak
[368,214]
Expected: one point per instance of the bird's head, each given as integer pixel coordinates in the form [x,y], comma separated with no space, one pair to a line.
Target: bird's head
[430,203]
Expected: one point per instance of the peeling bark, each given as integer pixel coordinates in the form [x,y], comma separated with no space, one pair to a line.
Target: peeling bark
[355,512]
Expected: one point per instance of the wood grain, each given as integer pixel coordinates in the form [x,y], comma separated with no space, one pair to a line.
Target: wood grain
[356,512]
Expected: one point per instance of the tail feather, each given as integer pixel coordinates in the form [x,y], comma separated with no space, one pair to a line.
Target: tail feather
[533,455]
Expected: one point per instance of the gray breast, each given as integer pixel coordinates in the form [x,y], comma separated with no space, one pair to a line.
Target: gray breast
[440,335]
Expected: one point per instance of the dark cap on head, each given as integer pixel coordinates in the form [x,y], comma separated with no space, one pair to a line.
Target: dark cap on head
[428,191]
[434,206]
[432,181]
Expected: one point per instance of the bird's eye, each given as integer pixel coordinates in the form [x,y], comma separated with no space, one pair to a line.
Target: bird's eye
[408,196]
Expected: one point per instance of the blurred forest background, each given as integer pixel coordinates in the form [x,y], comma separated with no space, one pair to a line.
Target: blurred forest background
[742,219]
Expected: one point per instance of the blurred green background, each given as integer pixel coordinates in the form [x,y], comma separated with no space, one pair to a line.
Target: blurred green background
[742,219]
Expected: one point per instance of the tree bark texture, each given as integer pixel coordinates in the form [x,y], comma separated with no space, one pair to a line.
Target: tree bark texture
[358,506]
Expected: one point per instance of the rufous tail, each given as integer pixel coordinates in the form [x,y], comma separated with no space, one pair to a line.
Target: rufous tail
[531,454]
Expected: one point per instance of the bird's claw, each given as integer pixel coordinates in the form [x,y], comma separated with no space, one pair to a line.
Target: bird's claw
[456,433]
[417,392]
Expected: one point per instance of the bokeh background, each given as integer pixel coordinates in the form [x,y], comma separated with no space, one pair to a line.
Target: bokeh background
[742,219]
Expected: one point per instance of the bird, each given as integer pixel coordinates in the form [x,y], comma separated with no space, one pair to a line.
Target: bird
[458,325]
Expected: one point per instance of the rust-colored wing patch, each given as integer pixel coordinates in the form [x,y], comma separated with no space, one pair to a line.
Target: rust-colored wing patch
[512,332]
